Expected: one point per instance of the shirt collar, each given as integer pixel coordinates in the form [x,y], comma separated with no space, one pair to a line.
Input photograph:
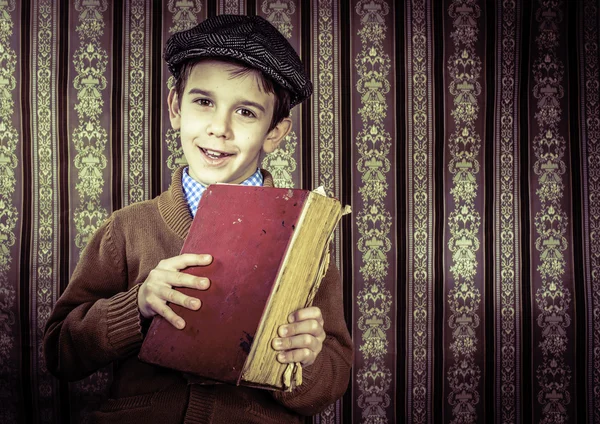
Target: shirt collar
[193,190]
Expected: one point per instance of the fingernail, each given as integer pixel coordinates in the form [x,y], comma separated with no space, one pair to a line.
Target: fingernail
[283,331]
[206,258]
[194,303]
[291,318]
[180,324]
[281,357]
[204,283]
[277,343]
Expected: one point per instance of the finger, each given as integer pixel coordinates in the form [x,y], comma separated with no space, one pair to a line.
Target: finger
[311,326]
[297,342]
[178,298]
[312,312]
[177,263]
[168,314]
[181,279]
[304,356]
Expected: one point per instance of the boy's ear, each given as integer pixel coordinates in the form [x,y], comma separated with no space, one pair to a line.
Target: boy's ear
[277,134]
[174,109]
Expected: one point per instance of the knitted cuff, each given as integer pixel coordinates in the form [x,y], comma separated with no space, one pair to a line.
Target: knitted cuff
[124,322]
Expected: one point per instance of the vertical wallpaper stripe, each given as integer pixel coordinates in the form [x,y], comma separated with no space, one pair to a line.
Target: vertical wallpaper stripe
[464,196]
[589,88]
[178,16]
[136,81]
[419,104]
[45,286]
[326,97]
[551,239]
[374,210]
[285,162]
[89,115]
[325,139]
[507,212]
[10,201]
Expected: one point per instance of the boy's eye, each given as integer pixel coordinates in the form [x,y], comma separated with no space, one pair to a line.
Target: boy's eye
[204,102]
[247,113]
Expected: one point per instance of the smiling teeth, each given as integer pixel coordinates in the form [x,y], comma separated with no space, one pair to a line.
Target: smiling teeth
[213,153]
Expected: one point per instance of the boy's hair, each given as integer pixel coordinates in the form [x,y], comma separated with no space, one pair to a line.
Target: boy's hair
[281,105]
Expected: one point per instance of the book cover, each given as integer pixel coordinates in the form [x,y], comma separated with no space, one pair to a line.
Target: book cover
[248,231]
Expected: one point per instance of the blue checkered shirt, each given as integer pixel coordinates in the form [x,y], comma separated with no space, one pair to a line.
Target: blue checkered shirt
[193,190]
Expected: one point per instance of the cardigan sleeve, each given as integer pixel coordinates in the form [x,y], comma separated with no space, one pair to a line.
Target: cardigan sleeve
[96,320]
[327,378]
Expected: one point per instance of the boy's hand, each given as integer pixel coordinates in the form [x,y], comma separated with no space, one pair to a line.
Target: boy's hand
[302,339]
[157,290]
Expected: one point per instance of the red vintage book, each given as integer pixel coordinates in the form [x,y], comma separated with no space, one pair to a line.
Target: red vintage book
[270,251]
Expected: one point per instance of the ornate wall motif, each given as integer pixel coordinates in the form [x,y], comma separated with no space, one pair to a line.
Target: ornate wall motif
[280,13]
[325,100]
[507,212]
[419,102]
[45,206]
[283,162]
[138,16]
[552,276]
[232,7]
[464,205]
[182,15]
[90,147]
[326,123]
[9,214]
[90,136]
[372,211]
[590,144]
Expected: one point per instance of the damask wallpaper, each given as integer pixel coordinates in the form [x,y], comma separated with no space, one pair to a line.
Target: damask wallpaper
[464,133]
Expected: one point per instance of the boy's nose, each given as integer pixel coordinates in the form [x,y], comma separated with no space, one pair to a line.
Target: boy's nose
[219,126]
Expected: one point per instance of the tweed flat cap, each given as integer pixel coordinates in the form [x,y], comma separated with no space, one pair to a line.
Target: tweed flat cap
[249,39]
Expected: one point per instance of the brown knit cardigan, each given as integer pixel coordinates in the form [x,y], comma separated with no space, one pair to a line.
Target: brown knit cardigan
[96,322]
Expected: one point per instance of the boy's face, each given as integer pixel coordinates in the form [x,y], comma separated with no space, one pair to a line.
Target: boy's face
[224,123]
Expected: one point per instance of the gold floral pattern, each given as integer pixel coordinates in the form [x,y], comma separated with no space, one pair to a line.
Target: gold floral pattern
[9,214]
[550,221]
[419,48]
[279,13]
[232,7]
[45,211]
[136,108]
[185,14]
[373,220]
[590,143]
[89,139]
[464,221]
[325,98]
[325,106]
[507,212]
[282,162]
[325,124]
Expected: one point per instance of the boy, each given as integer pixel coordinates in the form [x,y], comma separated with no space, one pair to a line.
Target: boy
[236,79]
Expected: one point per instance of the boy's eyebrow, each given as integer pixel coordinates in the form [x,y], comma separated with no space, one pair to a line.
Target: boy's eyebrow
[244,102]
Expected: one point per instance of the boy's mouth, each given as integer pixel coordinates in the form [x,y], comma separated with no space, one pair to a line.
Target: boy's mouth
[214,154]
